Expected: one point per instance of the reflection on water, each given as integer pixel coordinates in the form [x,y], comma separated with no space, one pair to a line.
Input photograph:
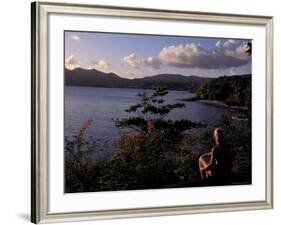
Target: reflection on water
[106,104]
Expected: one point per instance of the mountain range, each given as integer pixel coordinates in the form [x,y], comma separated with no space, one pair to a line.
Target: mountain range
[95,78]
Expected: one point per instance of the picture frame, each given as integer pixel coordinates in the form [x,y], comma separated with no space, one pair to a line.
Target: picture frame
[42,191]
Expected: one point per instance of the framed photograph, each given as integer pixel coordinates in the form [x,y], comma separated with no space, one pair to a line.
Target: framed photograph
[146,112]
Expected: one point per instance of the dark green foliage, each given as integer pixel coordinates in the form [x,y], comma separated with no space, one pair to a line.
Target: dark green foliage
[153,143]
[154,106]
[249,48]
[235,90]
[136,123]
[133,108]
[155,153]
[239,144]
[142,162]
[151,155]
[172,127]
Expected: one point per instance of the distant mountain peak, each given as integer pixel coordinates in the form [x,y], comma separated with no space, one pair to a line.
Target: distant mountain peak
[96,78]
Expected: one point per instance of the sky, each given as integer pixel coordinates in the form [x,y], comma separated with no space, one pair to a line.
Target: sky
[139,55]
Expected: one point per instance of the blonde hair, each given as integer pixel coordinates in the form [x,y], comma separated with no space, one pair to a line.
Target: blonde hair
[217,136]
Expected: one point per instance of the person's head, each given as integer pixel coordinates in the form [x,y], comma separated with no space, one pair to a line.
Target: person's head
[217,136]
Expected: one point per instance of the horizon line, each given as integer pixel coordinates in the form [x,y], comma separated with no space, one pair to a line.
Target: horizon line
[244,74]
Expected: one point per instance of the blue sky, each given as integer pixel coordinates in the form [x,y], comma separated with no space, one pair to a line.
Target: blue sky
[135,55]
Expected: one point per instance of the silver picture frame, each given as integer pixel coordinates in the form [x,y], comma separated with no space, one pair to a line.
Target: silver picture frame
[39,170]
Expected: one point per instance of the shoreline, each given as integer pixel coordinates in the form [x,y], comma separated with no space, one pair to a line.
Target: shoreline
[213,102]
[133,87]
[222,104]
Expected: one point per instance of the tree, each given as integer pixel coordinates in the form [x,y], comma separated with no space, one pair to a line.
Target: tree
[249,48]
[151,114]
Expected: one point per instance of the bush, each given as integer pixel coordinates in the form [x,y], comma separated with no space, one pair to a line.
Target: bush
[153,151]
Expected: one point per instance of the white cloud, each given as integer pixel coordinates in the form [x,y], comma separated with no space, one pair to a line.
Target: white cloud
[133,61]
[232,71]
[229,54]
[131,74]
[101,65]
[235,49]
[72,62]
[153,62]
[75,37]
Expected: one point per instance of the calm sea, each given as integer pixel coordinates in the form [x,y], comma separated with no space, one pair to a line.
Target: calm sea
[106,104]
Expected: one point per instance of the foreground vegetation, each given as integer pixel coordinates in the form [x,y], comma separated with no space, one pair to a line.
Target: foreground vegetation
[153,151]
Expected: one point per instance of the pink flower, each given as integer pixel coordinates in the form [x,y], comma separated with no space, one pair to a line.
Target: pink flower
[150,126]
[87,123]
[84,126]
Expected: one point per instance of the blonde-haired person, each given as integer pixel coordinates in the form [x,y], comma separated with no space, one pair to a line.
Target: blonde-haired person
[215,164]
